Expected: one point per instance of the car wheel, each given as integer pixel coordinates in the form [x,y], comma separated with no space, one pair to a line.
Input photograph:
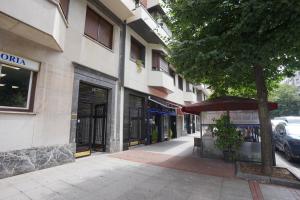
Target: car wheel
[288,154]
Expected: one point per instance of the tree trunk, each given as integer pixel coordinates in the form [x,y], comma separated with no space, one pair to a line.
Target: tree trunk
[264,119]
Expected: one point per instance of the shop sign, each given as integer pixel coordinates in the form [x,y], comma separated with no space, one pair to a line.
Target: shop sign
[236,117]
[19,61]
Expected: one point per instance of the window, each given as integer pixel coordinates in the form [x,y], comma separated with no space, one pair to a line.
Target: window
[16,88]
[141,2]
[64,4]
[155,61]
[180,85]
[98,28]
[172,74]
[199,96]
[137,51]
[159,63]
[187,86]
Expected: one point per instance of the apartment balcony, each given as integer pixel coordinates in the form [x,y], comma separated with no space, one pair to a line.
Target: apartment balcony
[146,26]
[203,88]
[42,22]
[158,5]
[122,8]
[189,97]
[159,47]
[162,81]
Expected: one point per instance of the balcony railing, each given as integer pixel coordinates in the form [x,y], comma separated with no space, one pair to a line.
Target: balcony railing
[140,3]
[161,69]
[161,80]
[144,24]
[189,97]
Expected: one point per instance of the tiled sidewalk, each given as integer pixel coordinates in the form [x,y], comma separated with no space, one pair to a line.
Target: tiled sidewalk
[191,164]
[141,175]
[211,167]
[102,177]
[277,192]
[178,154]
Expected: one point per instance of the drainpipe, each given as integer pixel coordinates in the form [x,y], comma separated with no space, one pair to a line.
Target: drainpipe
[121,71]
[122,54]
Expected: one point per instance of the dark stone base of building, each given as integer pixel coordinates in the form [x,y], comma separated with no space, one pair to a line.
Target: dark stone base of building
[28,160]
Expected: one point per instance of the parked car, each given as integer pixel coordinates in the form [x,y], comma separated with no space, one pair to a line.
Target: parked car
[289,119]
[286,136]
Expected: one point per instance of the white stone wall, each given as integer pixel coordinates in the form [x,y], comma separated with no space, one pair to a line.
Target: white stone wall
[49,124]
[139,80]
[36,20]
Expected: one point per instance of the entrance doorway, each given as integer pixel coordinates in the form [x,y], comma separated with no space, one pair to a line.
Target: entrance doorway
[91,120]
[166,127]
[187,121]
[136,120]
[173,126]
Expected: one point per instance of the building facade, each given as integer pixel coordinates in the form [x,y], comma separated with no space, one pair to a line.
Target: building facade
[153,91]
[84,76]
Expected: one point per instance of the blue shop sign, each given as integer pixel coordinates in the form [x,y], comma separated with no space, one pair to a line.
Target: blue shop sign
[18,61]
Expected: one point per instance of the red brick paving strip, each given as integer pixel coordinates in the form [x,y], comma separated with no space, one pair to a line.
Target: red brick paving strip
[197,165]
[295,193]
[255,190]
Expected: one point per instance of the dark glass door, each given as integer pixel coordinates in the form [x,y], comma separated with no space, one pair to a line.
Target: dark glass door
[173,126]
[136,120]
[135,124]
[99,136]
[187,121]
[91,119]
[84,127]
[166,124]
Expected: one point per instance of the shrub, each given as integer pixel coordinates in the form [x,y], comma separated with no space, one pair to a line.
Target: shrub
[154,135]
[228,138]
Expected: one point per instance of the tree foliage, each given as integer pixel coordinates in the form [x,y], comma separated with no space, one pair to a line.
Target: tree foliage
[217,42]
[237,46]
[288,101]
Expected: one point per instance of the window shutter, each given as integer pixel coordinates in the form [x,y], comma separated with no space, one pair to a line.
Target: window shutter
[64,4]
[155,60]
[135,50]
[105,33]
[163,64]
[180,83]
[91,24]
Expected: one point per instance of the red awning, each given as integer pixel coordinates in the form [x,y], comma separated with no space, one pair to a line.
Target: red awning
[225,103]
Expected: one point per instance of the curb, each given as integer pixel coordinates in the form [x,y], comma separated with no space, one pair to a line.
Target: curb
[267,179]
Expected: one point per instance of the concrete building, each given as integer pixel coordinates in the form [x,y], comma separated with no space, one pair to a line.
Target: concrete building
[83,76]
[153,92]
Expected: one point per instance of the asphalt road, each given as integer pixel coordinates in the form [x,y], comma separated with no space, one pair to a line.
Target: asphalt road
[294,166]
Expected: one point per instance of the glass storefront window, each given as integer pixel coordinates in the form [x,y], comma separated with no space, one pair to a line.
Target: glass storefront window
[15,87]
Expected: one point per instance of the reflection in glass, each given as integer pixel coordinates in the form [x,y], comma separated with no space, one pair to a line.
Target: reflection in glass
[14,86]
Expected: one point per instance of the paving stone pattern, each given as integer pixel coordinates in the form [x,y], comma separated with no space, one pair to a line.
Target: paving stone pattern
[103,177]
[191,164]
